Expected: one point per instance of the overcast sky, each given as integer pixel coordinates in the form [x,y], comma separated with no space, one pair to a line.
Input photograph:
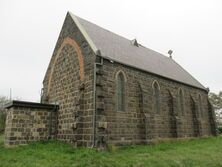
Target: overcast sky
[29,30]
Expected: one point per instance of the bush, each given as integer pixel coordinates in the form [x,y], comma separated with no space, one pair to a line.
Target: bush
[2,121]
[220,129]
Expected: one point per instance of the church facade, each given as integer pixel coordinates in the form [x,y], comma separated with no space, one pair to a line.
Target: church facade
[105,95]
[111,90]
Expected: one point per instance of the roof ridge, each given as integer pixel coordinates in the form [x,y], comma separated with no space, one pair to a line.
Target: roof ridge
[119,48]
[129,40]
[103,28]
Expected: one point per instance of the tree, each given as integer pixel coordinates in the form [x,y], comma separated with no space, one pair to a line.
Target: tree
[3,101]
[216,101]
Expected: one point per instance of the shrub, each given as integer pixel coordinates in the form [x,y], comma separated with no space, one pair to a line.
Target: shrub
[220,129]
[2,121]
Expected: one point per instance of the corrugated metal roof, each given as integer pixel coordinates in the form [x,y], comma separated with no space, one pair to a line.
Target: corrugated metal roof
[122,50]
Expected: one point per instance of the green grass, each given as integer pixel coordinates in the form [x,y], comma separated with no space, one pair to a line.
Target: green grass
[198,152]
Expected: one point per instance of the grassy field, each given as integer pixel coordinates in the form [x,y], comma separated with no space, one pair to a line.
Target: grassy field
[199,152]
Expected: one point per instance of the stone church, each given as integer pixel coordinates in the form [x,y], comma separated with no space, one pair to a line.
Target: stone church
[101,88]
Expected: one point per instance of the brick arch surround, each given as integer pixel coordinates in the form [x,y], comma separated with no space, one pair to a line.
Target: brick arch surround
[73,43]
[64,84]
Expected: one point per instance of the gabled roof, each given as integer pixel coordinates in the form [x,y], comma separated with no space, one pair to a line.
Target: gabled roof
[122,50]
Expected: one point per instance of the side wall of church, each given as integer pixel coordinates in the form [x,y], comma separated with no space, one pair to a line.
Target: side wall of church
[140,122]
[69,83]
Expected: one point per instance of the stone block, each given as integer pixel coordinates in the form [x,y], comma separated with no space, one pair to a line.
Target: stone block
[103,125]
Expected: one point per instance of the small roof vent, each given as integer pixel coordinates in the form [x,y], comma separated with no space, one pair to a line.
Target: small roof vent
[135,43]
[170,52]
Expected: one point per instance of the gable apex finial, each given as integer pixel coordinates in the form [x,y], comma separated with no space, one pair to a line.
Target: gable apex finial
[135,43]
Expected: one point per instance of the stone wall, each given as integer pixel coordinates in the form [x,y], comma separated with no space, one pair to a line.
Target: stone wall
[140,123]
[28,122]
[69,83]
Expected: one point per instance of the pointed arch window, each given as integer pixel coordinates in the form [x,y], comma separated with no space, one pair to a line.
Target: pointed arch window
[181,101]
[120,92]
[156,93]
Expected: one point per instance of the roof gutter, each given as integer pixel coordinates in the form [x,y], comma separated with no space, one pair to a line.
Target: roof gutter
[180,82]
